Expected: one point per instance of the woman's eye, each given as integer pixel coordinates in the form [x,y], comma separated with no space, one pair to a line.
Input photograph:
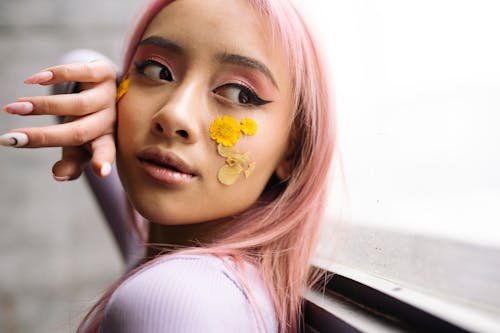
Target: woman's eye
[239,94]
[154,70]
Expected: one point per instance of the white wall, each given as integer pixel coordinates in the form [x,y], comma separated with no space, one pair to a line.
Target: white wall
[418,102]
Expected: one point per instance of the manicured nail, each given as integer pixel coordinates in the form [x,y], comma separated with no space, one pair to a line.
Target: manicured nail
[19,108]
[60,178]
[105,169]
[14,139]
[39,77]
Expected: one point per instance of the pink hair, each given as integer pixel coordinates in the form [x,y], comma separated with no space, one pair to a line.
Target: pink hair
[278,233]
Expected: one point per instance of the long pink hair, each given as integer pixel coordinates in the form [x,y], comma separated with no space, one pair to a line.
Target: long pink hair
[278,233]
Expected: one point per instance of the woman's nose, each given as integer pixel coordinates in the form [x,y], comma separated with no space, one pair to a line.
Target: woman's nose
[178,117]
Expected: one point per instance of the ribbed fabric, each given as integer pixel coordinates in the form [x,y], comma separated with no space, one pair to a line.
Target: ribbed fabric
[189,293]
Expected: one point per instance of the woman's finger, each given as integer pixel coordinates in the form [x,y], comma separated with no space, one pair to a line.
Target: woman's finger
[71,164]
[74,159]
[95,71]
[80,104]
[74,133]
[103,153]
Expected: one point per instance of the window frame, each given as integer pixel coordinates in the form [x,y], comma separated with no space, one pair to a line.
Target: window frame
[372,284]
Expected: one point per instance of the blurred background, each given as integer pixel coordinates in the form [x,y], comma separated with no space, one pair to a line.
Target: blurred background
[56,254]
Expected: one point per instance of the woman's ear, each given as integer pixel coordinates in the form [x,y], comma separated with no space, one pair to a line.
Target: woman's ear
[284,169]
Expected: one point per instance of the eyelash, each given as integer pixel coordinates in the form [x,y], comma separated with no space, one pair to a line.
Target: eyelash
[252,99]
[142,66]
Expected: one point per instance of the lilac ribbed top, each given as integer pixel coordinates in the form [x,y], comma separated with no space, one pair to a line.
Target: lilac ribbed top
[190,293]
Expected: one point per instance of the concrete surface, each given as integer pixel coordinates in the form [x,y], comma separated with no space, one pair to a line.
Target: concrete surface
[56,254]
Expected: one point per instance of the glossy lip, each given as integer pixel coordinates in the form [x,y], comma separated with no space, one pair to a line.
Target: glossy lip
[165,167]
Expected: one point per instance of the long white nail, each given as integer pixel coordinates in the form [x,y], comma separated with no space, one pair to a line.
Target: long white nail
[14,139]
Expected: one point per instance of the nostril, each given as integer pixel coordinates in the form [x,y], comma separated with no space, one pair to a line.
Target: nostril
[159,128]
[182,133]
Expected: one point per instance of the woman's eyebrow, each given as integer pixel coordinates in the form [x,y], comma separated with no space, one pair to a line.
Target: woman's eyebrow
[161,42]
[224,58]
[236,59]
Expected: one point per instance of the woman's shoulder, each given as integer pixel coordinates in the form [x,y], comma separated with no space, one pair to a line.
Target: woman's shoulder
[190,293]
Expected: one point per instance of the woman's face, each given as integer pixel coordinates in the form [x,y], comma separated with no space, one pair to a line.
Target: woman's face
[198,61]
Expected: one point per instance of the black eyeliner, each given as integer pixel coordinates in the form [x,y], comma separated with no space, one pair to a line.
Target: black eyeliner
[254,98]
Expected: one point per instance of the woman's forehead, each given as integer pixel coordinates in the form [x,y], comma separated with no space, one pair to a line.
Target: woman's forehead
[221,29]
[205,25]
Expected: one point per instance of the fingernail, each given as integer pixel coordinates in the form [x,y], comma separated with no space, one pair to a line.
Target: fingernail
[19,108]
[105,169]
[14,140]
[39,77]
[60,178]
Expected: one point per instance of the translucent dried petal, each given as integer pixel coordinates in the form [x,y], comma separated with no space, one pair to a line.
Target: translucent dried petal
[229,174]
[226,151]
[250,169]
[231,161]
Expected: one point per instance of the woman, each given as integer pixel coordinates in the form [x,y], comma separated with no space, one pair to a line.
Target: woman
[224,140]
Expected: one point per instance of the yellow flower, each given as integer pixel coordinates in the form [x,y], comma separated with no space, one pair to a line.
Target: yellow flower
[225,131]
[122,88]
[248,126]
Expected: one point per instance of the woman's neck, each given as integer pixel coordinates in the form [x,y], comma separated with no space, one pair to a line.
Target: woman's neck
[166,238]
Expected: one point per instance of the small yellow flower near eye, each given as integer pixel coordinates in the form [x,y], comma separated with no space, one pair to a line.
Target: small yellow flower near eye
[122,88]
[225,131]
[248,126]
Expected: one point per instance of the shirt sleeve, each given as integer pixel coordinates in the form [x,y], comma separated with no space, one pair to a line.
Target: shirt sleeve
[184,295]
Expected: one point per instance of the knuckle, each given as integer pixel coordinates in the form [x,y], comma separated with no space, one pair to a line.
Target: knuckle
[106,69]
[64,72]
[39,138]
[80,135]
[42,140]
[90,72]
[42,106]
[111,73]
[83,105]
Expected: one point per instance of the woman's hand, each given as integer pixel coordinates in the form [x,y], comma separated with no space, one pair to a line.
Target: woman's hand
[90,115]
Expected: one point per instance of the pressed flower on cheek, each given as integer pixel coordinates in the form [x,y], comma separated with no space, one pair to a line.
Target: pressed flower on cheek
[235,164]
[248,126]
[122,88]
[226,131]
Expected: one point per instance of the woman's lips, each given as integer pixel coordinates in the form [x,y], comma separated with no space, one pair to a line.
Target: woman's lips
[165,167]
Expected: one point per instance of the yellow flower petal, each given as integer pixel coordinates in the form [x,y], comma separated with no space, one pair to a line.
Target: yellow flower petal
[226,151]
[241,159]
[122,88]
[250,169]
[229,174]
[225,130]
[248,126]
[231,161]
